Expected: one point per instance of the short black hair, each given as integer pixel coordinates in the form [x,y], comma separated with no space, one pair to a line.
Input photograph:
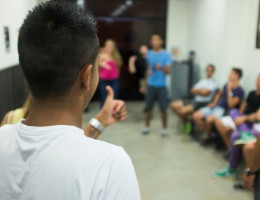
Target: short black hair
[212,66]
[56,41]
[238,71]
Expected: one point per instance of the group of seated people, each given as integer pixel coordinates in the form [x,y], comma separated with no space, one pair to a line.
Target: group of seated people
[222,113]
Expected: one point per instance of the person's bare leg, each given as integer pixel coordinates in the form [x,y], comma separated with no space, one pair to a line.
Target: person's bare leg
[148,116]
[209,125]
[198,118]
[176,105]
[185,111]
[224,132]
[248,150]
[164,119]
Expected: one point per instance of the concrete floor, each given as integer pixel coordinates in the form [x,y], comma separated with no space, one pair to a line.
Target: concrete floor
[169,168]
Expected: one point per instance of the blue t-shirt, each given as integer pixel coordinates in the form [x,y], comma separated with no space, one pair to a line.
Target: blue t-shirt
[237,92]
[157,78]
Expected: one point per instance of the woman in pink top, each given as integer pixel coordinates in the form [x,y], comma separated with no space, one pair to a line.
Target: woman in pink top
[109,68]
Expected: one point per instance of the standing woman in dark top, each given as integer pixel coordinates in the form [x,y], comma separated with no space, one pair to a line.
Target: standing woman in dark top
[137,65]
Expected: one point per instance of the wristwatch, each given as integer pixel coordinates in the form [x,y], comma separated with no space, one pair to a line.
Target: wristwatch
[248,172]
[96,124]
[230,94]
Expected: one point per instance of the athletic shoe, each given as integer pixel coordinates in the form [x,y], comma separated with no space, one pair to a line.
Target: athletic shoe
[205,141]
[226,173]
[145,131]
[246,138]
[239,186]
[164,133]
[183,128]
[188,127]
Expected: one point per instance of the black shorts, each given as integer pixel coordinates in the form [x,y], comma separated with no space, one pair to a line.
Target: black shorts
[196,105]
[154,94]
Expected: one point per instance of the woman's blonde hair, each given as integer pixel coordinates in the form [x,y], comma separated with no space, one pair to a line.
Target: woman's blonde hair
[115,54]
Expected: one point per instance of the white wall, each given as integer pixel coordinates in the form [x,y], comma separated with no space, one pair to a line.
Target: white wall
[177,26]
[12,14]
[206,34]
[222,32]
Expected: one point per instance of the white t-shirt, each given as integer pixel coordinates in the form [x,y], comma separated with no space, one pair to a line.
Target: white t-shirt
[208,84]
[61,163]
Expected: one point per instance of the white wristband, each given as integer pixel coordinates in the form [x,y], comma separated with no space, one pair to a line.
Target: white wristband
[96,124]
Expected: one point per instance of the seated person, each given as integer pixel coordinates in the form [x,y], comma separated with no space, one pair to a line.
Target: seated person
[203,91]
[235,151]
[238,118]
[46,155]
[227,98]
[251,177]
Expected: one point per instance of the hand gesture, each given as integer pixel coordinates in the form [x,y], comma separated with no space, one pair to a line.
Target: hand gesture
[158,66]
[133,58]
[240,120]
[212,105]
[112,110]
[229,86]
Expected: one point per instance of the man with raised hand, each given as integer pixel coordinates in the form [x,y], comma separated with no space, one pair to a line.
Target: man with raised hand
[47,155]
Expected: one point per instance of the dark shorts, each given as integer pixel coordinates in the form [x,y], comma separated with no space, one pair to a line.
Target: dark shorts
[154,94]
[196,105]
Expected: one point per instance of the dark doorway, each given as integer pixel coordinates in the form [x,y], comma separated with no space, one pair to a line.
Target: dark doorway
[130,23]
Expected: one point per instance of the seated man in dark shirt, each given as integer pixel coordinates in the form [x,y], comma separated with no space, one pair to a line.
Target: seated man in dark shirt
[238,118]
[246,130]
[227,98]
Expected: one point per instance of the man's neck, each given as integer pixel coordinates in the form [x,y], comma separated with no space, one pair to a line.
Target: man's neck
[47,113]
[235,83]
[258,91]
[158,49]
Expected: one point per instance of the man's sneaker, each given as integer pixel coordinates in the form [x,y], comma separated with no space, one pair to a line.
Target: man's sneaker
[183,128]
[164,133]
[188,127]
[206,140]
[145,131]
[226,173]
[246,138]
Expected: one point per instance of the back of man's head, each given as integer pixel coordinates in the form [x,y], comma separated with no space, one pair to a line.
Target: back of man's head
[55,42]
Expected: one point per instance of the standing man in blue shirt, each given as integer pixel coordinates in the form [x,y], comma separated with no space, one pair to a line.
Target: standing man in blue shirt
[159,63]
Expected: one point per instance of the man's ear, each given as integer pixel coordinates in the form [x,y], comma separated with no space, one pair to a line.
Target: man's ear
[86,77]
